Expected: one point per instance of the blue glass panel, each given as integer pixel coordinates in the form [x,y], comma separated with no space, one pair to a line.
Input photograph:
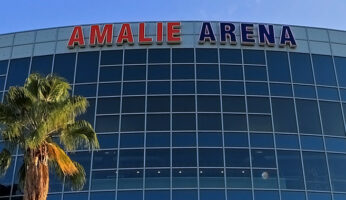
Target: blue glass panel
[87,67]
[257,88]
[42,65]
[134,88]
[159,87]
[209,139]
[208,87]
[3,66]
[232,87]
[266,195]
[278,68]
[158,104]
[184,139]
[304,91]
[316,173]
[263,158]
[293,195]
[260,123]
[301,68]
[105,159]
[102,195]
[264,140]
[113,57]
[208,103]
[290,169]
[340,67]
[87,90]
[230,56]
[212,195]
[184,178]
[130,195]
[343,94]
[134,72]
[332,119]
[108,123]
[237,158]
[184,195]
[287,141]
[239,195]
[254,57]
[159,55]
[308,116]
[336,144]
[184,157]
[64,65]
[207,71]
[18,71]
[284,90]
[231,72]
[258,105]
[206,55]
[131,158]
[183,71]
[157,178]
[255,73]
[183,122]
[339,196]
[210,157]
[209,121]
[238,178]
[183,104]
[234,122]
[130,179]
[108,105]
[337,164]
[158,140]
[103,180]
[75,196]
[233,104]
[108,140]
[90,113]
[135,56]
[183,87]
[132,123]
[327,93]
[324,70]
[182,55]
[319,196]
[211,178]
[157,195]
[112,73]
[109,89]
[157,158]
[159,72]
[265,178]
[284,115]
[131,140]
[312,143]
[133,104]
[236,140]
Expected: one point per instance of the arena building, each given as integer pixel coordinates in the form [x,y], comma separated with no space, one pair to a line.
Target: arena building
[196,110]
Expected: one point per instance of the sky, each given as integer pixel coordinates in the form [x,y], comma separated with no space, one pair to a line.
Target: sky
[22,15]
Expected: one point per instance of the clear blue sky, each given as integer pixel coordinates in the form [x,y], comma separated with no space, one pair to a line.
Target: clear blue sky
[21,15]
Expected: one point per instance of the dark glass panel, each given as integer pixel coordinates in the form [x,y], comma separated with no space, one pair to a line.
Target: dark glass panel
[108,105]
[131,140]
[18,72]
[212,194]
[266,195]
[133,104]
[183,103]
[278,68]
[337,163]
[111,73]
[233,104]
[262,140]
[332,119]
[108,140]
[283,90]
[208,103]
[184,157]
[41,65]
[64,65]
[255,73]
[130,179]
[232,87]
[328,93]
[158,140]
[87,67]
[301,68]
[284,115]
[304,91]
[86,90]
[158,104]
[231,72]
[156,122]
[90,112]
[105,159]
[312,143]
[129,195]
[230,56]
[260,123]
[159,56]
[184,121]
[157,195]
[265,178]
[134,72]
[308,116]
[208,87]
[109,89]
[159,72]
[183,55]
[257,88]
[324,70]
[184,195]
[103,180]
[211,178]
[236,139]
[340,67]
[207,71]
[206,139]
[234,122]
[287,141]
[108,123]
[237,158]
[210,157]
[132,123]
[263,158]
[206,55]
[253,57]
[209,121]
[184,178]
[293,195]
[183,71]
[258,105]
[159,87]
[183,87]
[157,157]
[102,195]
[134,88]
[75,196]
[239,195]
[238,178]
[319,196]
[316,173]
[113,57]
[135,56]
[157,178]
[184,139]
[290,170]
[3,66]
[131,158]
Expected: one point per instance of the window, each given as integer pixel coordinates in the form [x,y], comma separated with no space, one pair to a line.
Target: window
[159,55]
[316,173]
[183,55]
[208,87]
[337,163]
[319,196]
[130,179]
[312,143]
[184,178]
[184,157]
[262,140]
[206,139]
[265,178]
[103,180]
[184,121]
[335,144]
[135,56]
[109,89]
[308,116]
[290,169]
[157,158]
[284,115]
[131,140]
[131,158]
[108,141]
[42,65]
[305,91]
[278,68]
[253,57]
[108,105]
[340,67]
[133,104]
[112,73]
[234,122]
[90,112]
[255,73]
[293,195]
[3,66]
[157,122]
[133,195]
[17,72]
[207,71]
[332,118]
[210,157]
[184,139]
[231,72]
[158,140]
[183,71]
[159,72]
[134,88]
[87,67]
[238,178]
[132,123]
[113,57]
[206,56]
[108,123]
[234,139]
[232,87]
[263,158]
[301,68]
[183,87]
[157,195]
[286,141]
[260,123]
[158,104]
[159,87]
[328,93]
[324,70]
[134,72]
[157,178]
[105,159]
[75,196]
[86,90]
[233,104]
[211,178]
[237,158]
[257,88]
[258,105]
[183,103]
[266,195]
[209,121]
[230,56]
[101,195]
[208,103]
[239,195]
[212,194]
[64,65]
[283,90]
[184,195]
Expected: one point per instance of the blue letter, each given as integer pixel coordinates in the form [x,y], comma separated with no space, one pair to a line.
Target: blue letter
[227,31]
[287,37]
[266,36]
[207,33]
[247,34]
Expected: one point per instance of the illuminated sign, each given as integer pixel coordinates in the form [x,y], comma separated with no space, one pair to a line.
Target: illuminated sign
[171,34]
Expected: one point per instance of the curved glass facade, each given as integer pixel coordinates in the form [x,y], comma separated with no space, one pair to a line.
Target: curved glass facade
[194,122]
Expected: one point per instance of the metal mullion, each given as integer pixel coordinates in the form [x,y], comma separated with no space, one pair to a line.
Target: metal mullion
[119,125]
[171,123]
[145,121]
[248,125]
[273,125]
[196,124]
[319,111]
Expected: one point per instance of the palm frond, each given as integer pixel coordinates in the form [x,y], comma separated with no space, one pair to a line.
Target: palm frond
[79,134]
[64,162]
[5,161]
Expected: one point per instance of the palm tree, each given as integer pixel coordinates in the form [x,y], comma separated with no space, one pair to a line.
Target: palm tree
[33,118]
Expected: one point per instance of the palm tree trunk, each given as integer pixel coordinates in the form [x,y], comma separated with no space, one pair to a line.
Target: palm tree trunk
[37,179]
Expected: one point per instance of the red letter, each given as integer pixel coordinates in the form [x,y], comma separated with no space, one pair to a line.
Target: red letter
[142,38]
[159,34]
[97,38]
[125,35]
[76,38]
[173,32]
